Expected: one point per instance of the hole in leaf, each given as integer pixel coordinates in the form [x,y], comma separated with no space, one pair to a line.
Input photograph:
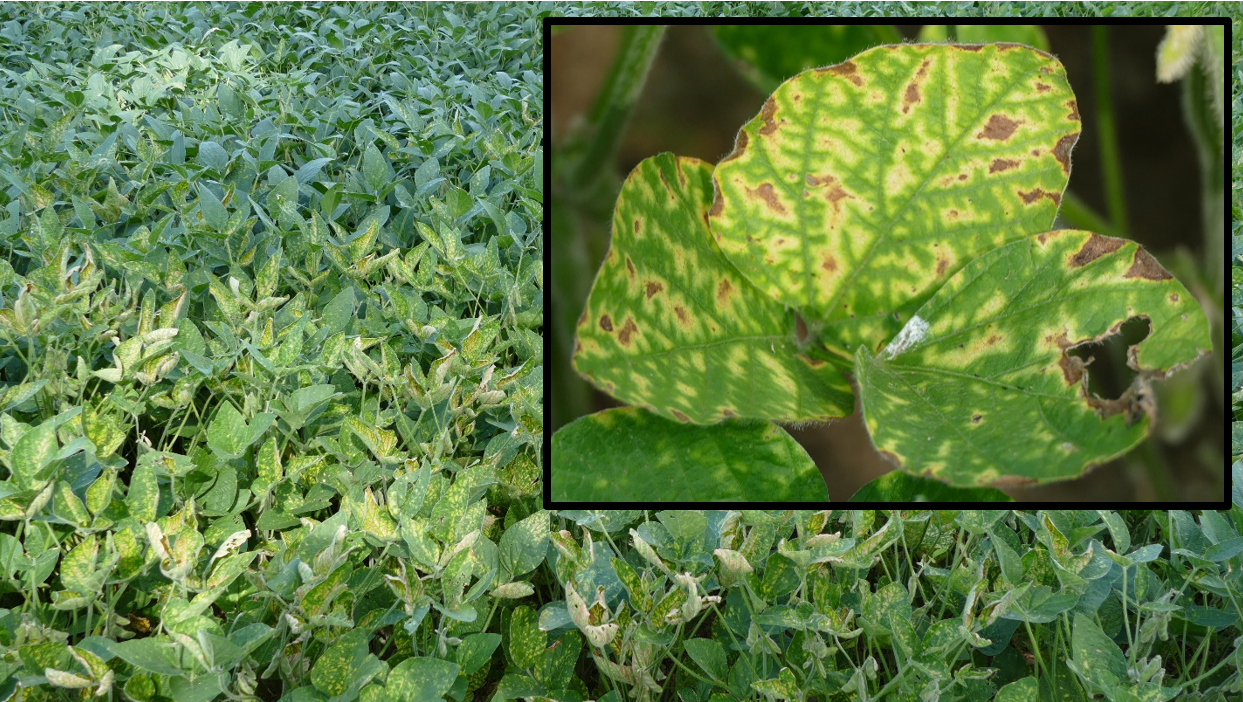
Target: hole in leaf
[1110,375]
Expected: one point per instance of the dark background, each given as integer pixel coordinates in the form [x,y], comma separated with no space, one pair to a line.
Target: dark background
[694,102]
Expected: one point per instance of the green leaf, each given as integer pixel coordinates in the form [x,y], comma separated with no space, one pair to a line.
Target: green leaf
[335,669]
[768,54]
[860,188]
[526,641]
[523,545]
[229,435]
[555,667]
[1095,657]
[1038,604]
[475,651]
[339,311]
[897,486]
[978,388]
[631,455]
[144,493]
[375,168]
[672,326]
[214,213]
[34,450]
[77,568]
[1021,690]
[710,656]
[421,680]
[148,654]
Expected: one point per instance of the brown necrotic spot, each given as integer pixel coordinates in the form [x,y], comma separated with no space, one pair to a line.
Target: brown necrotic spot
[911,97]
[1145,266]
[1072,366]
[833,192]
[1074,110]
[740,145]
[1001,164]
[975,418]
[636,227]
[681,417]
[652,288]
[1095,247]
[1034,195]
[723,290]
[962,176]
[1174,298]
[1062,150]
[767,114]
[680,311]
[829,264]
[813,362]
[993,339]
[847,70]
[1043,87]
[630,268]
[718,203]
[766,193]
[665,181]
[605,323]
[627,330]
[727,413]
[999,128]
[942,264]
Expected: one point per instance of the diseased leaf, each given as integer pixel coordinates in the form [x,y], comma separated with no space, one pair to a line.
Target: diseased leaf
[978,387]
[710,656]
[475,651]
[671,325]
[631,455]
[421,680]
[34,450]
[523,545]
[860,188]
[526,640]
[144,492]
[336,668]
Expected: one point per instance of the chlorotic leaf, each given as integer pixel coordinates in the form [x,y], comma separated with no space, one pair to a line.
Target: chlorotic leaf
[144,492]
[898,486]
[860,188]
[631,455]
[336,668]
[672,326]
[978,388]
[523,544]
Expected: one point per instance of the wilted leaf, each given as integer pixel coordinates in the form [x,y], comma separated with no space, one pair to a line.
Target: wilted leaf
[672,326]
[978,387]
[631,455]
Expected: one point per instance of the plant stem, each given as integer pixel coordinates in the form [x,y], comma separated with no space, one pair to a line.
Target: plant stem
[611,111]
[1111,165]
